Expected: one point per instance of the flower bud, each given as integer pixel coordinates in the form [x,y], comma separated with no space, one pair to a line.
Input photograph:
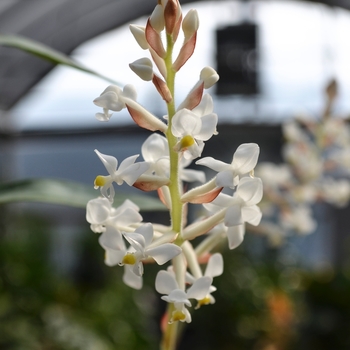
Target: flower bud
[139,34]
[170,15]
[143,67]
[190,24]
[157,18]
[209,77]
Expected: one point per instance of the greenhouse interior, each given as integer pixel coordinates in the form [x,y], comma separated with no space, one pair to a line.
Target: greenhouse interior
[220,215]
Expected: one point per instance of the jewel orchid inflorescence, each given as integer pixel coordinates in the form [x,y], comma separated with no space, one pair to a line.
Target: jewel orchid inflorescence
[177,140]
[315,169]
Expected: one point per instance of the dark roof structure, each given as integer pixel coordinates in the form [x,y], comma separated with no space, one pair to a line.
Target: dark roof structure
[62,25]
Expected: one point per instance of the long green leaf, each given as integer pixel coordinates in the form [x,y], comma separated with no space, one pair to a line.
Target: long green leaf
[65,192]
[45,52]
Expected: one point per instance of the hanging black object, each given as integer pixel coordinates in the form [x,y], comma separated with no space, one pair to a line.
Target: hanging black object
[237,60]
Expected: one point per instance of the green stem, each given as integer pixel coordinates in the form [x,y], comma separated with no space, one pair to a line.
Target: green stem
[171,332]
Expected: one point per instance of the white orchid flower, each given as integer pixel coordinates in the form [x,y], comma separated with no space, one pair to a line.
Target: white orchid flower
[192,130]
[128,171]
[112,99]
[241,208]
[155,151]
[100,214]
[166,284]
[214,268]
[244,161]
[142,248]
[111,221]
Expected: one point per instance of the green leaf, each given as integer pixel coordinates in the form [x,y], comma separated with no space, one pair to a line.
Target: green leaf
[66,192]
[45,52]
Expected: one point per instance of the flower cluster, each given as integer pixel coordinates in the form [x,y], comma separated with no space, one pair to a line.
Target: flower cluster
[316,169]
[176,140]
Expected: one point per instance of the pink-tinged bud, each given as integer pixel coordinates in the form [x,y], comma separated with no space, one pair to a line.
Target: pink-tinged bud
[164,196]
[177,27]
[162,88]
[190,24]
[157,18]
[143,118]
[206,197]
[143,67]
[170,15]
[194,97]
[200,192]
[185,53]
[209,77]
[154,40]
[149,183]
[139,34]
[159,63]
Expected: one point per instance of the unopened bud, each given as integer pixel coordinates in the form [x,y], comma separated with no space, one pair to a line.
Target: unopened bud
[190,24]
[170,15]
[209,77]
[143,67]
[139,34]
[157,18]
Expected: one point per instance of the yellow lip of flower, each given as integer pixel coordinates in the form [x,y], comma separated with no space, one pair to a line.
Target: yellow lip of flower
[100,181]
[178,316]
[186,141]
[204,301]
[129,259]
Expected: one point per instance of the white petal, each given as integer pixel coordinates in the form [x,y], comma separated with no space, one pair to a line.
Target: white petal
[109,100]
[98,210]
[154,147]
[127,204]
[205,107]
[225,179]
[185,122]
[215,266]
[113,257]
[146,230]
[126,217]
[233,215]
[235,235]
[214,164]
[137,268]
[164,252]
[246,157]
[252,215]
[165,282]
[109,162]
[111,238]
[130,279]
[127,162]
[250,190]
[136,240]
[200,288]
[194,151]
[224,200]
[133,172]
[177,296]
[129,92]
[208,129]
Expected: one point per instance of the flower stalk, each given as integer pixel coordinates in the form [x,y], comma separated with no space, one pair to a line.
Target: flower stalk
[126,239]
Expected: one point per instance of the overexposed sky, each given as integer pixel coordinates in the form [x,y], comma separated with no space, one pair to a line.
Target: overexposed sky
[301,46]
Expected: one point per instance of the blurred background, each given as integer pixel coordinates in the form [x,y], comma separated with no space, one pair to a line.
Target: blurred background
[275,59]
